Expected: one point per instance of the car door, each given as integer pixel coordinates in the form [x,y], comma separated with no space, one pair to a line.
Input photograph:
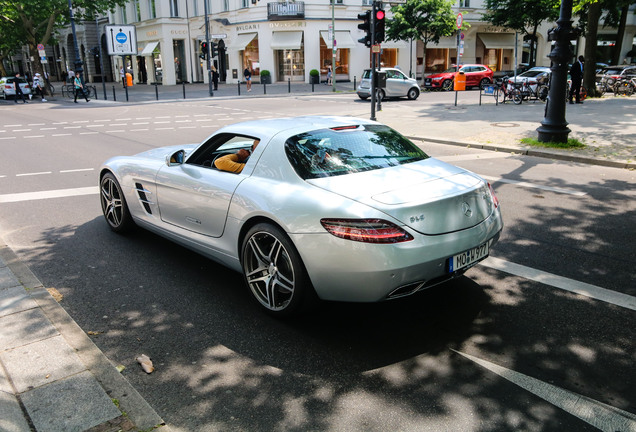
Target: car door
[472,76]
[196,196]
[396,83]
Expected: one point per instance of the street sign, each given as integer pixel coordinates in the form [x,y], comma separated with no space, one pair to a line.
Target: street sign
[41,51]
[218,36]
[375,48]
[460,20]
[121,39]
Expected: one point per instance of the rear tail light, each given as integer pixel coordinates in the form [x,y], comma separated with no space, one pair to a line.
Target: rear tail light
[366,230]
[495,200]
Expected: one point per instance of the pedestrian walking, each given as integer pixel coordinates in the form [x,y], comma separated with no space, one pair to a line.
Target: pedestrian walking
[329,82]
[18,89]
[215,77]
[37,86]
[79,87]
[247,73]
[576,72]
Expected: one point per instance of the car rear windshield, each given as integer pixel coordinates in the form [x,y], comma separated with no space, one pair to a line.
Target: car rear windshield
[350,149]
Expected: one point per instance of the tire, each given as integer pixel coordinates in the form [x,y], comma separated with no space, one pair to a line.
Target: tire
[274,272]
[447,85]
[363,97]
[413,94]
[484,82]
[500,95]
[114,205]
[517,97]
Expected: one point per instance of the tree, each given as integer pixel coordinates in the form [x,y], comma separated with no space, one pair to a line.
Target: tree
[37,20]
[523,16]
[423,20]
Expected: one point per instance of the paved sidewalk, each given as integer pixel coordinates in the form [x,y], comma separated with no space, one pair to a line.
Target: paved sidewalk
[52,377]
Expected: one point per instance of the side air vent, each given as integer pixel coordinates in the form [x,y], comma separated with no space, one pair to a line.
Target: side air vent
[143,197]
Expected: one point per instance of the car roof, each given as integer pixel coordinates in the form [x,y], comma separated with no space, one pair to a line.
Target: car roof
[294,125]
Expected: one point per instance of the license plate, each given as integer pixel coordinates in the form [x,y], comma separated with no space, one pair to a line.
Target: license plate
[427,82]
[468,258]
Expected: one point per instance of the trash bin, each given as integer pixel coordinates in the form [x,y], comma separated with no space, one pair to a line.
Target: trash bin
[460,82]
[129,82]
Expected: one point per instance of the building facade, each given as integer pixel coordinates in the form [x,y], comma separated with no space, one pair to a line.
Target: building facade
[289,39]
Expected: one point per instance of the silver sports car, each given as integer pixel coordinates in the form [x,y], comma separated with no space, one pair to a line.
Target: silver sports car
[332,208]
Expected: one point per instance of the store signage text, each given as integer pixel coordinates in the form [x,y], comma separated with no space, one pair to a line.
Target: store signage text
[284,24]
[247,27]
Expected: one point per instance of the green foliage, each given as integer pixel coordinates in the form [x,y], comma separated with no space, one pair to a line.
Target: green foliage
[523,16]
[424,20]
[265,72]
[572,143]
[314,72]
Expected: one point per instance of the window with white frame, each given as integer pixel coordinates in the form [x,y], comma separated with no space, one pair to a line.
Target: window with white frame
[151,9]
[226,5]
[174,8]
[124,18]
[195,7]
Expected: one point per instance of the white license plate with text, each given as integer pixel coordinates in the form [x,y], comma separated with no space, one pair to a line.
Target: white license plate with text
[468,258]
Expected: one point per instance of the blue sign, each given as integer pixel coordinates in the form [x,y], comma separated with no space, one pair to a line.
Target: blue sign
[121,38]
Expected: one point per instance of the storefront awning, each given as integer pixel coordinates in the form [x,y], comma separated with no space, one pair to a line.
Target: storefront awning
[343,39]
[287,40]
[444,42]
[240,41]
[498,40]
[149,48]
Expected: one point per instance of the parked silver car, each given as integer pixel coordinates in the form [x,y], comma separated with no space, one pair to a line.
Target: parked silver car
[397,85]
[335,208]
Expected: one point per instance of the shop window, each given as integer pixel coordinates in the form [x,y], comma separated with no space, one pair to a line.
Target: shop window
[342,60]
[250,57]
[436,59]
[388,57]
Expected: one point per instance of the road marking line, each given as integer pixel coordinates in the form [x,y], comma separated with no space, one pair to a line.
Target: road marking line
[166,128]
[139,123]
[118,124]
[535,186]
[602,416]
[161,122]
[36,124]
[15,125]
[103,120]
[187,127]
[139,130]
[123,119]
[59,123]
[33,136]
[48,128]
[72,127]
[162,117]
[22,130]
[77,170]
[60,193]
[80,121]
[7,137]
[116,130]
[88,133]
[33,174]
[143,118]
[61,135]
[95,125]
[581,288]
[179,116]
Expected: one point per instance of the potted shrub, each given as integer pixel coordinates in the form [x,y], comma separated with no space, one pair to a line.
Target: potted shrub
[314,76]
[266,78]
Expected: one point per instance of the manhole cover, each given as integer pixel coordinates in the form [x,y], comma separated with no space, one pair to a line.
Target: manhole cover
[504,124]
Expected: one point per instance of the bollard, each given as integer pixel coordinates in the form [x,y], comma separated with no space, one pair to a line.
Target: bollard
[354,83]
[114,95]
[239,88]
[183,84]
[156,92]
[126,93]
[288,85]
[264,88]
[312,86]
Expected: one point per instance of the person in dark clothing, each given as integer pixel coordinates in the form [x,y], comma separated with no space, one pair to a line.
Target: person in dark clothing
[18,89]
[576,72]
[215,77]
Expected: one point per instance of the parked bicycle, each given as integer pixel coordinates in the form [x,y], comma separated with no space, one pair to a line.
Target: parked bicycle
[504,90]
[625,87]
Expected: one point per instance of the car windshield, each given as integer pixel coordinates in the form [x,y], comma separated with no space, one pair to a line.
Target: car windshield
[349,149]
[531,73]
[451,69]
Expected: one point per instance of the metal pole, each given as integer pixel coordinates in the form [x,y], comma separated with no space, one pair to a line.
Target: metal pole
[373,83]
[189,42]
[101,58]
[78,61]
[156,91]
[207,42]
[554,126]
[333,46]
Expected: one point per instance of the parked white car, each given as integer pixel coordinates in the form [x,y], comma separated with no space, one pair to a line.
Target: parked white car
[7,89]
[397,85]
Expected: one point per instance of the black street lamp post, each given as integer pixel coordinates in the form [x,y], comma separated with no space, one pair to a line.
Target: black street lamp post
[78,61]
[554,126]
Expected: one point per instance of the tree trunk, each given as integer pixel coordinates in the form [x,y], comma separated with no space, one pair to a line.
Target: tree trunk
[589,71]
[423,64]
[616,58]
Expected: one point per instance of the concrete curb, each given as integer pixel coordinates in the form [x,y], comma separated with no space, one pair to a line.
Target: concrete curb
[530,152]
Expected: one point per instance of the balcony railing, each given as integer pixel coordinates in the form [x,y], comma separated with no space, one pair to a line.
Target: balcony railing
[277,11]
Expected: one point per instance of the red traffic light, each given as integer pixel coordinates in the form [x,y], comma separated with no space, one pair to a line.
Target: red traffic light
[379,15]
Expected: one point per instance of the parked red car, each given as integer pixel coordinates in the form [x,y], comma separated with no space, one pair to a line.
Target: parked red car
[476,75]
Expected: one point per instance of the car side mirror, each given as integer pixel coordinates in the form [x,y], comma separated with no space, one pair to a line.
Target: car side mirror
[176,158]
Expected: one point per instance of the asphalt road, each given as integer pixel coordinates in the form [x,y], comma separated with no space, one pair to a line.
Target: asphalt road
[491,351]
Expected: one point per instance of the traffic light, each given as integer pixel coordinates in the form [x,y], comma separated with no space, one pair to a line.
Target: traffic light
[366,26]
[204,50]
[215,50]
[378,28]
